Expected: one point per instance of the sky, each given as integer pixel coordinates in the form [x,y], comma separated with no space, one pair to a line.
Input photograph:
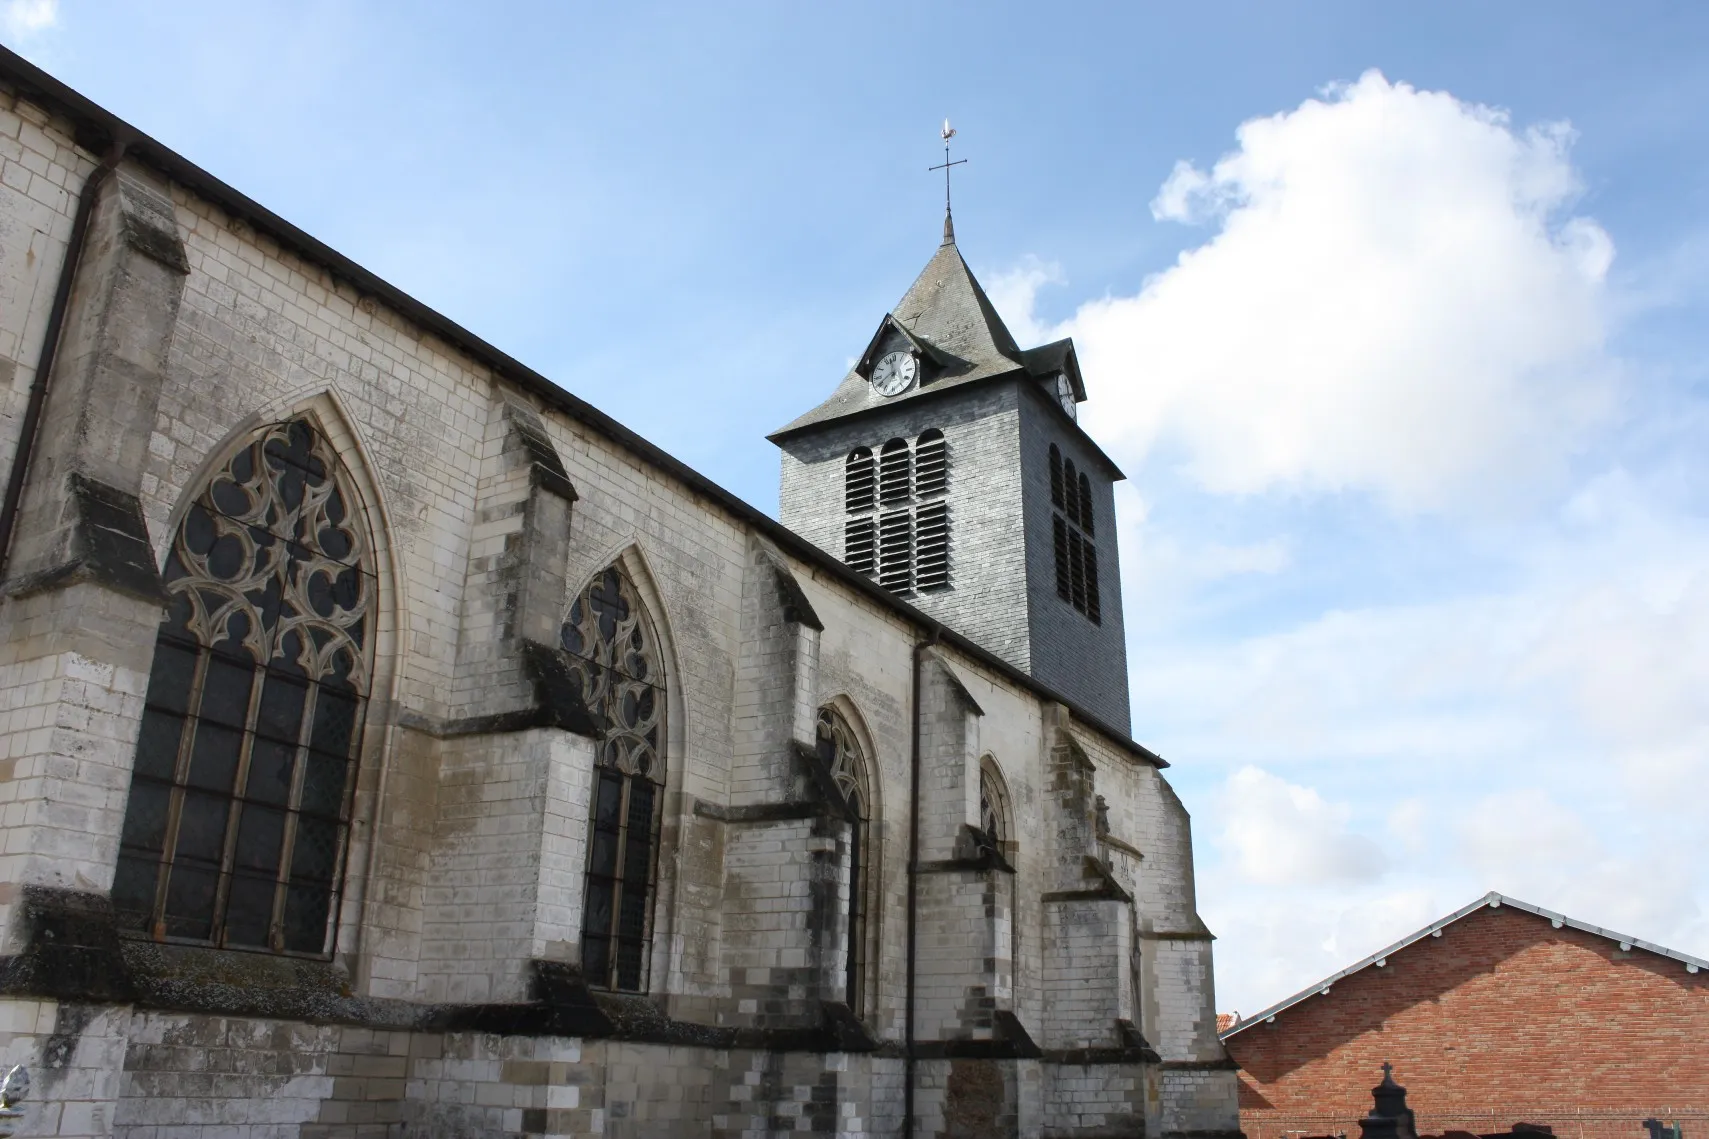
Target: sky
[1394,316]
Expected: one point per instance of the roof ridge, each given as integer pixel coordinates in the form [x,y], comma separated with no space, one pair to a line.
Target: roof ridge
[1491,900]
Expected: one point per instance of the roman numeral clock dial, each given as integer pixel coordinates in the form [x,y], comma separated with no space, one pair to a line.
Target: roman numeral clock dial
[894,373]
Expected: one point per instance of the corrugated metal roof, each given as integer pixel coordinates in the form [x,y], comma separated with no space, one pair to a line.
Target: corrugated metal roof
[1491,900]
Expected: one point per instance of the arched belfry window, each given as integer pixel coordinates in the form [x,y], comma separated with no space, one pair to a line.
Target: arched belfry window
[895,472]
[858,484]
[931,463]
[1071,536]
[237,824]
[614,658]
[841,753]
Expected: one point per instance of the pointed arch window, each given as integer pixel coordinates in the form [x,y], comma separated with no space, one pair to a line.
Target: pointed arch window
[237,824]
[614,660]
[993,803]
[841,753]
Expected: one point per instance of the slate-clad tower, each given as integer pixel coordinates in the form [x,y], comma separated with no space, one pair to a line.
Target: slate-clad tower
[949,465]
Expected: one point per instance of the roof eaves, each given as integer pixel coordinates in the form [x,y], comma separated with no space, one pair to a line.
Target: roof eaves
[87,115]
[1491,900]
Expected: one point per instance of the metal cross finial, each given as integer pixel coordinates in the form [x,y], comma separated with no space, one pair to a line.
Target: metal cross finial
[948,133]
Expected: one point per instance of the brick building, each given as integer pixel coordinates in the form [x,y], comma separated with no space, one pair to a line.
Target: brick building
[393,744]
[1499,1013]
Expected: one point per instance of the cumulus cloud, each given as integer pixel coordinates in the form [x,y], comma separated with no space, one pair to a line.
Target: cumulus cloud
[1543,735]
[1284,834]
[22,18]
[1015,292]
[1394,300]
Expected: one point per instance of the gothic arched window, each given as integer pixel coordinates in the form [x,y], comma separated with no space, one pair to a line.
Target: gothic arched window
[239,812]
[993,803]
[614,658]
[842,755]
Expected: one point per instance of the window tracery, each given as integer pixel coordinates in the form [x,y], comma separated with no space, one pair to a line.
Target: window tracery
[840,751]
[613,658]
[237,821]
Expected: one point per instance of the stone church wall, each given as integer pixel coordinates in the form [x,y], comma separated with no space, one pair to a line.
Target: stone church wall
[453,1004]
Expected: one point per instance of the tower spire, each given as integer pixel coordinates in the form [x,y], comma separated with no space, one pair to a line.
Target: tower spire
[947,133]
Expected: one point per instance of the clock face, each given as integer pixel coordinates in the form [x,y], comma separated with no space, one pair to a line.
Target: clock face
[894,373]
[1065,395]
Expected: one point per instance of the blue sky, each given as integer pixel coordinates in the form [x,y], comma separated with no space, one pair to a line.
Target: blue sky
[1393,316]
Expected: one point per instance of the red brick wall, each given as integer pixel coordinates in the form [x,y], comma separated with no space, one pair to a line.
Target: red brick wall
[1502,1018]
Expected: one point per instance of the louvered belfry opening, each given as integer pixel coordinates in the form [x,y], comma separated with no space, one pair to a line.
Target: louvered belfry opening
[858,484]
[895,472]
[238,820]
[895,550]
[860,545]
[931,463]
[897,524]
[1072,527]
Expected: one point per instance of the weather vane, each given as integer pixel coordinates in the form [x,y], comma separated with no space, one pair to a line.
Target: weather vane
[949,225]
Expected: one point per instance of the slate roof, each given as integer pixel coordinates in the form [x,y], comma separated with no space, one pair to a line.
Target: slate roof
[946,311]
[1491,900]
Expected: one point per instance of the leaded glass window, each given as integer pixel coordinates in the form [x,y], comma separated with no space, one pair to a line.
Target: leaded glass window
[238,819]
[841,753]
[614,659]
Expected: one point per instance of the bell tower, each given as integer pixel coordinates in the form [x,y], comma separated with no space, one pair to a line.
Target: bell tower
[949,466]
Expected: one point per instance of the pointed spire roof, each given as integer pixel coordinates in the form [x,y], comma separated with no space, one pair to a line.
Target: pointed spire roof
[946,312]
[946,307]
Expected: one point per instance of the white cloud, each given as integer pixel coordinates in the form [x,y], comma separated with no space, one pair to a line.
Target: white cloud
[1283,834]
[1392,302]
[22,18]
[1539,737]
[1015,293]
[1513,836]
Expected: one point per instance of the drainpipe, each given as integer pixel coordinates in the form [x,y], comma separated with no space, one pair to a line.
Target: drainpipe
[50,348]
[913,886]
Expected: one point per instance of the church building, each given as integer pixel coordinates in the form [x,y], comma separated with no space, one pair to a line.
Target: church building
[392,744]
